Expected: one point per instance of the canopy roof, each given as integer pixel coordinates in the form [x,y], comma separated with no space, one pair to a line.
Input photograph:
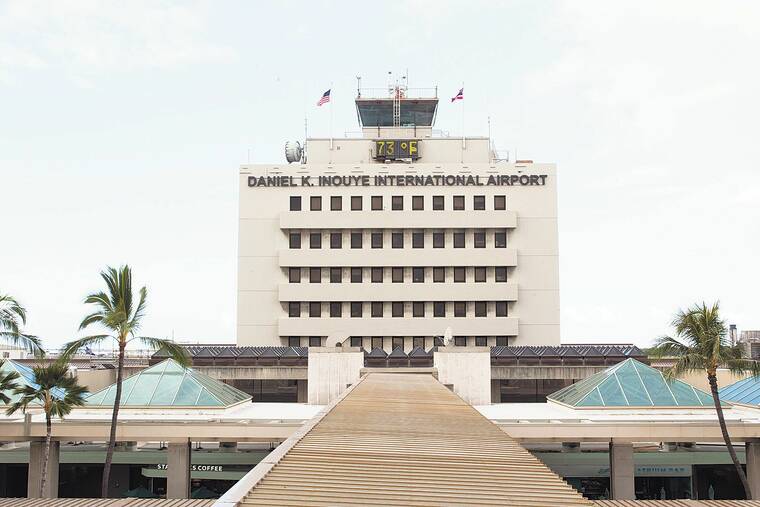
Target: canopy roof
[167,384]
[26,378]
[745,391]
[631,384]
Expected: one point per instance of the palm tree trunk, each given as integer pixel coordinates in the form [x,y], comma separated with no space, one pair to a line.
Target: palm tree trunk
[713,380]
[45,454]
[114,419]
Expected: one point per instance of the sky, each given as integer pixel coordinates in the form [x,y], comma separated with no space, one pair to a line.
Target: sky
[123,125]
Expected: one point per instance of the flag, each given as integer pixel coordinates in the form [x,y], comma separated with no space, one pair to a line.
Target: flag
[325,98]
[458,96]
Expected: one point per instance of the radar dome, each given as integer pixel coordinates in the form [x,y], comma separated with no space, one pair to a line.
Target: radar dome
[293,151]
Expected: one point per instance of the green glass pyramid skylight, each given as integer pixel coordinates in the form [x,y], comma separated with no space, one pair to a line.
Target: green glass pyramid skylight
[631,384]
[167,384]
[25,378]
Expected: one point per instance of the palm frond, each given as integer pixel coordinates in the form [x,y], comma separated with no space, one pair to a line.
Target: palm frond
[72,347]
[668,346]
[172,349]
[136,319]
[684,364]
[7,384]
[29,342]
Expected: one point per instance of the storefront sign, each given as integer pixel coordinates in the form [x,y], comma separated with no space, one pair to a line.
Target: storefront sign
[195,468]
[641,470]
[401,180]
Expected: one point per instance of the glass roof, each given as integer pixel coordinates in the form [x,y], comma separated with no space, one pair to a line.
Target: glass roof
[167,384]
[631,384]
[745,391]
[26,377]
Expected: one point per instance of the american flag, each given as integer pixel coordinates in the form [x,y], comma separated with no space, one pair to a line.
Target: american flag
[458,96]
[325,98]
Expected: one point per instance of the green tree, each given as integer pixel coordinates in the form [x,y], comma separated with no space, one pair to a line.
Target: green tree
[7,384]
[120,314]
[700,344]
[12,318]
[58,393]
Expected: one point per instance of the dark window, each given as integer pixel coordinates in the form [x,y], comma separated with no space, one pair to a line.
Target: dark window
[294,240]
[377,309]
[356,309]
[460,341]
[377,202]
[460,309]
[356,275]
[397,309]
[481,341]
[294,341]
[439,240]
[439,274]
[336,203]
[502,341]
[397,202]
[418,309]
[356,203]
[438,202]
[315,309]
[479,202]
[377,239]
[479,239]
[397,240]
[315,341]
[499,202]
[501,308]
[315,275]
[315,240]
[439,309]
[377,342]
[418,275]
[294,275]
[418,240]
[418,342]
[336,275]
[336,240]
[336,309]
[397,342]
[377,275]
[500,274]
[356,240]
[397,275]
[295,205]
[356,341]
[315,203]
[500,239]
[480,274]
[294,309]
[458,240]
[458,202]
[460,275]
[481,309]
[418,203]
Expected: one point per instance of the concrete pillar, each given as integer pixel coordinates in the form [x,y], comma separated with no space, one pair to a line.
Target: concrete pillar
[495,391]
[228,446]
[621,471]
[302,387]
[752,449]
[36,454]
[331,371]
[178,470]
[468,369]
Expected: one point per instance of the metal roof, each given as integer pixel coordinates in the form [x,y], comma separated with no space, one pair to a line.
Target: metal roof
[102,502]
[26,378]
[745,391]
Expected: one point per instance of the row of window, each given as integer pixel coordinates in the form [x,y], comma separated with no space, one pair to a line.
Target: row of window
[398,309]
[356,239]
[397,202]
[397,342]
[418,274]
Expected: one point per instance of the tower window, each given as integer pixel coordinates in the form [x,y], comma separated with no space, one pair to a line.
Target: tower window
[501,308]
[397,240]
[418,203]
[336,309]
[459,240]
[294,240]
[460,309]
[356,240]
[294,275]
[418,275]
[336,275]
[397,275]
[439,309]
[315,240]
[418,309]
[439,240]
[377,239]
[377,202]
[315,309]
[481,309]
[460,275]
[315,275]
[480,274]
[499,202]
[437,203]
[377,275]
[500,274]
[500,239]
[377,309]
[336,240]
[336,203]
[418,240]
[479,202]
[479,239]
[397,203]
[295,205]
[356,203]
[459,202]
[356,309]
[439,274]
[356,275]
[294,309]
[397,309]
[315,203]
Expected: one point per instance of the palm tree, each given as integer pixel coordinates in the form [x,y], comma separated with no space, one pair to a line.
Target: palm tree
[700,345]
[7,383]
[12,318]
[116,311]
[58,393]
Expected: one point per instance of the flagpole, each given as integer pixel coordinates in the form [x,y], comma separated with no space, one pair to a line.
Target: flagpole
[331,119]
[464,146]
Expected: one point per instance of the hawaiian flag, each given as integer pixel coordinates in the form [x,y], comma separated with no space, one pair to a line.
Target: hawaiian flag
[325,98]
[458,96]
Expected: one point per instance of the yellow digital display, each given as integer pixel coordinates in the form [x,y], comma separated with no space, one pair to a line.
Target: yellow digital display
[397,149]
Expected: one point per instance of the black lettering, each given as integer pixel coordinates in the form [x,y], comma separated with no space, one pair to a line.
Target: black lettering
[543,179]
[513,179]
[533,179]
[524,180]
[492,180]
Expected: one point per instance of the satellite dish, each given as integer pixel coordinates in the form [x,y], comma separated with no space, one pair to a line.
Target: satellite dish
[293,151]
[447,339]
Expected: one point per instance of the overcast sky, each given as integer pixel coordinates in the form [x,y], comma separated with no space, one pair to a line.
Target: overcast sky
[122,126]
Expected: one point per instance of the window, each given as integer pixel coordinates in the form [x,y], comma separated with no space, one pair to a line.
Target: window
[439,240]
[458,202]
[418,275]
[481,309]
[418,240]
[356,275]
[439,309]
[501,308]
[294,309]
[500,274]
[397,275]
[315,341]
[315,240]
[460,341]
[336,275]
[459,240]
[480,274]
[397,309]
[356,309]
[500,239]
[294,240]
[397,342]
[336,240]
[336,203]
[502,341]
[336,309]
[315,203]
[356,341]
[377,309]
[397,202]
[377,239]
[356,203]
[315,275]
[418,309]
[439,274]
[481,341]
[460,309]
[295,205]
[418,203]
[294,341]
[499,202]
[479,239]
[460,275]
[315,309]
[377,275]
[479,202]
[438,203]
[377,202]
[397,240]
[294,275]
[377,342]
[356,240]
[418,342]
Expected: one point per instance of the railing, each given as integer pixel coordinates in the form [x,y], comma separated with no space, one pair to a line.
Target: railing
[389,92]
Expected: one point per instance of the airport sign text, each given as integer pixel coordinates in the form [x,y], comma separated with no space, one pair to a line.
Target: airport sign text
[401,180]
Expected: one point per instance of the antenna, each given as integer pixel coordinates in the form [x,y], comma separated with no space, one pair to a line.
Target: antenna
[358,86]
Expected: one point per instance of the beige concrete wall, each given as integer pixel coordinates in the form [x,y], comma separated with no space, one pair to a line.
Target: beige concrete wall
[331,371]
[432,150]
[468,369]
[699,379]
